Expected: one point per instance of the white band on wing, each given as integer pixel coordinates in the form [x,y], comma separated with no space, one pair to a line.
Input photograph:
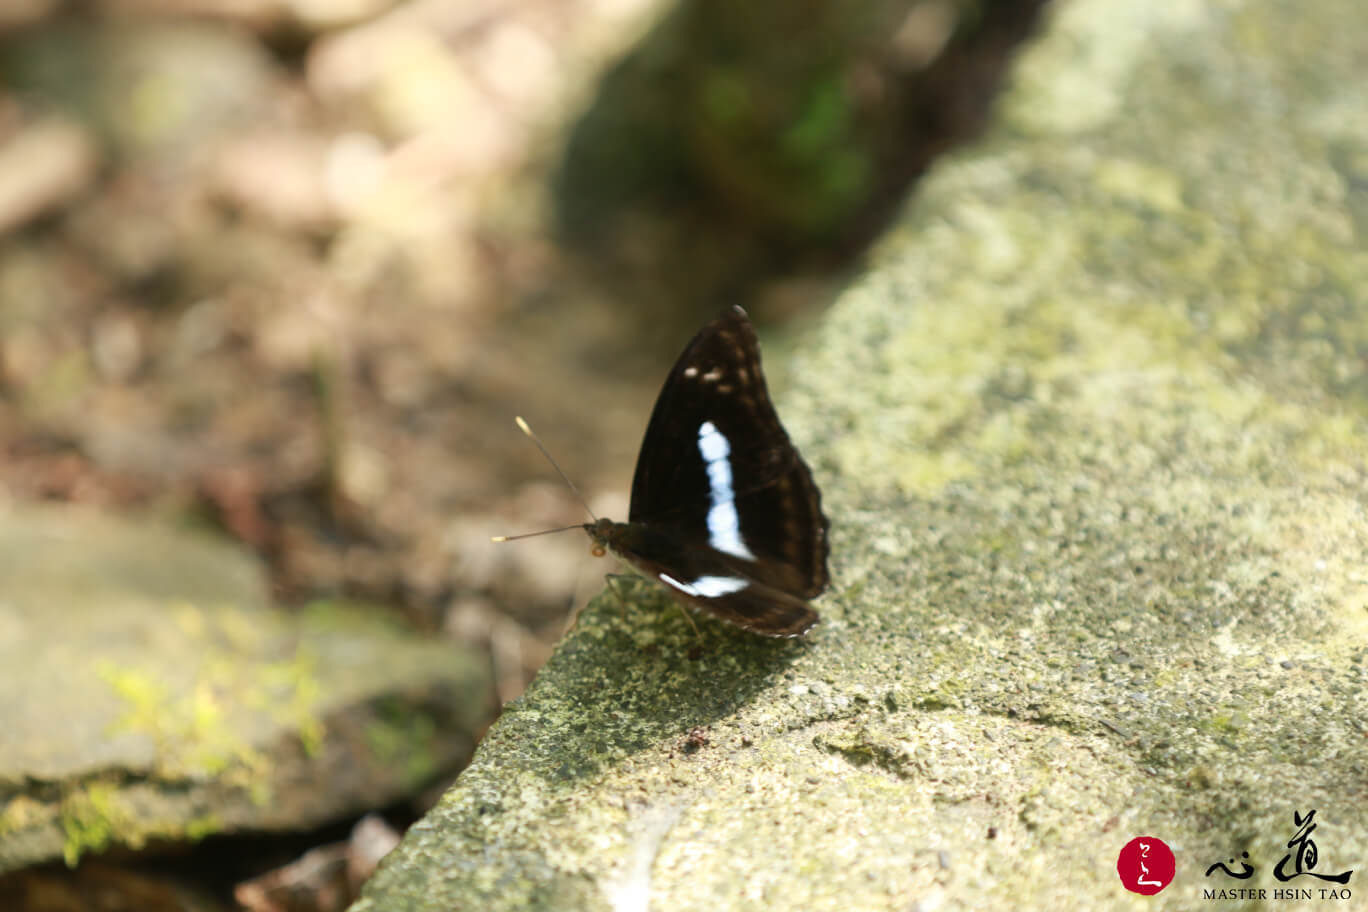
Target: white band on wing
[724,525]
[707,586]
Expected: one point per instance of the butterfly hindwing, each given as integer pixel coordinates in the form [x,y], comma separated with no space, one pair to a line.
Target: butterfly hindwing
[706,578]
[755,607]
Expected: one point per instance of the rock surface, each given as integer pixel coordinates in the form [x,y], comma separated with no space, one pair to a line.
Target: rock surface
[1091,433]
[148,691]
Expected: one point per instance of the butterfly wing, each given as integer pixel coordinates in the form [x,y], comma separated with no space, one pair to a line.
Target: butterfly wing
[707,578]
[746,602]
[717,469]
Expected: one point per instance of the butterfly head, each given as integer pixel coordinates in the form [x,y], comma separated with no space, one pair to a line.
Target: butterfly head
[601,535]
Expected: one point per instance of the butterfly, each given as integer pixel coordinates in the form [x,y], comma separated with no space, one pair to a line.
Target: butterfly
[724,512]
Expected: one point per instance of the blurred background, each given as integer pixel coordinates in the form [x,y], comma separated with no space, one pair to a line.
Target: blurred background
[285,270]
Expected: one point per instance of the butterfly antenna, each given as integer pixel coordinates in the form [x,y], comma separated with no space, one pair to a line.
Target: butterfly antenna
[523,426]
[504,538]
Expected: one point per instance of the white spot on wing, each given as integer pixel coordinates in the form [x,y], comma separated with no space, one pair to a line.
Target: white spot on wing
[707,586]
[724,525]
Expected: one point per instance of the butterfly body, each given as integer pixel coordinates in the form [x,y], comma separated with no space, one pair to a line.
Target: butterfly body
[724,513]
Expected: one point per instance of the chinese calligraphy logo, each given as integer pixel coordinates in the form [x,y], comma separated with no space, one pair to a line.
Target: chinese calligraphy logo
[1299,860]
[1145,865]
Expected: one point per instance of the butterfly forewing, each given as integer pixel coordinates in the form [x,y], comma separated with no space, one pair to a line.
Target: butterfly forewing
[719,477]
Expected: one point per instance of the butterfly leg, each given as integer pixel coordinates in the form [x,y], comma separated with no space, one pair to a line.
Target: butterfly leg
[698,634]
[612,579]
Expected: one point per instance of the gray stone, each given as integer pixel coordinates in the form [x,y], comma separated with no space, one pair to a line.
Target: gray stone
[1091,433]
[148,691]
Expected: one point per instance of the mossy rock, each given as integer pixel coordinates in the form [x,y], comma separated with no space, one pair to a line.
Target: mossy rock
[150,692]
[1091,432]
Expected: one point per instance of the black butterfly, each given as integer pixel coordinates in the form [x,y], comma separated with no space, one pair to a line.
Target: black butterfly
[724,512]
